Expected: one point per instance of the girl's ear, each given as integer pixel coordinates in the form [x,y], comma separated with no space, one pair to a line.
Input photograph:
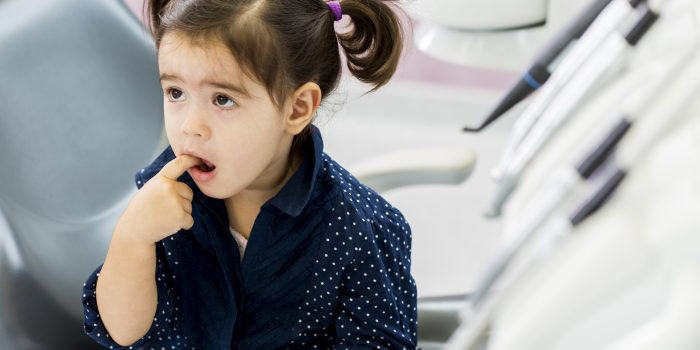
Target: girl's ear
[304,103]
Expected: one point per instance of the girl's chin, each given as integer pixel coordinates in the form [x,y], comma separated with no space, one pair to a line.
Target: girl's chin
[208,190]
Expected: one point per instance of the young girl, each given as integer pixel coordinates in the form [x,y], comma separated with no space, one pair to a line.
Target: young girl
[244,234]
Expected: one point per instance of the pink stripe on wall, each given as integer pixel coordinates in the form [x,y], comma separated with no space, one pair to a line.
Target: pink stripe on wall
[420,67]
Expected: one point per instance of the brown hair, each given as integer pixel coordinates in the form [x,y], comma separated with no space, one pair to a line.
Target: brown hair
[285,43]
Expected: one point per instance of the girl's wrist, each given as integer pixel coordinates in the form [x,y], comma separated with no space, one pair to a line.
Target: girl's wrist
[130,236]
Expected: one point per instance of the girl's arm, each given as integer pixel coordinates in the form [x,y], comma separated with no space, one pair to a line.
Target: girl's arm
[126,290]
[138,300]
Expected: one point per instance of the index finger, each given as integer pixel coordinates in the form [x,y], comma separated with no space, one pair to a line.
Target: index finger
[176,167]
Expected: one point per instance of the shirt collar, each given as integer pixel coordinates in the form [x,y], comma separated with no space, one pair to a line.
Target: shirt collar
[295,194]
[292,198]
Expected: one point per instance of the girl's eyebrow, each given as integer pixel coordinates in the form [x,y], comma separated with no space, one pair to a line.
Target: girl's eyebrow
[218,84]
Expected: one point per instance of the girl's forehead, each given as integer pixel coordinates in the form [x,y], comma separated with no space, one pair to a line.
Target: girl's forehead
[178,46]
[179,55]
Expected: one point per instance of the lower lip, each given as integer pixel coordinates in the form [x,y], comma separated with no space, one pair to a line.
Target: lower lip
[200,175]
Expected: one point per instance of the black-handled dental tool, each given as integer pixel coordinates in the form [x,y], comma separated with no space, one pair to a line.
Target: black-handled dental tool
[610,56]
[539,71]
[612,19]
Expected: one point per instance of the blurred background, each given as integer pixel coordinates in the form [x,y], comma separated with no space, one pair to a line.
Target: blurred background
[70,149]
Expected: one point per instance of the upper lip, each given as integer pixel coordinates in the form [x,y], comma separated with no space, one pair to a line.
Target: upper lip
[197,154]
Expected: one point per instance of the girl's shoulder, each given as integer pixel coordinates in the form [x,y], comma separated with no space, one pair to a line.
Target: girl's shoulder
[352,192]
[361,212]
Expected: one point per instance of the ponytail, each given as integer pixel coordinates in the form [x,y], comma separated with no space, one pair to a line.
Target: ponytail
[374,45]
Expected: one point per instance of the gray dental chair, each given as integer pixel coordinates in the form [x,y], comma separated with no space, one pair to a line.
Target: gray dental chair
[79,102]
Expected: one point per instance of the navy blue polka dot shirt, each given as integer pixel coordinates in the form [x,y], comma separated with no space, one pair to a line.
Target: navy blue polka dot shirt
[327,266]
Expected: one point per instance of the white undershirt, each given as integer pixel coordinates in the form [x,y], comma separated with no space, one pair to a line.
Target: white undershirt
[242,242]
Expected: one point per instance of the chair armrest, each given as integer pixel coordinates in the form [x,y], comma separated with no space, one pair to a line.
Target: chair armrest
[417,166]
[439,317]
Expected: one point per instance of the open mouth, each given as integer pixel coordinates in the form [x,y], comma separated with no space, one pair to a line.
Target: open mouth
[205,166]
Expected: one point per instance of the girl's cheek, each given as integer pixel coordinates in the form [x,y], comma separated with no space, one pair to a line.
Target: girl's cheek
[170,109]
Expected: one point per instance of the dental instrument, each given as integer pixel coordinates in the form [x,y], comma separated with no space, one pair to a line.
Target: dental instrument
[608,60]
[540,70]
[609,21]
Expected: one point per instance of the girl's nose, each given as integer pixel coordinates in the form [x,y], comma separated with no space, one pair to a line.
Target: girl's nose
[195,124]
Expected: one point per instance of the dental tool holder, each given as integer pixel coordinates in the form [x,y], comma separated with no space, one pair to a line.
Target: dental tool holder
[622,278]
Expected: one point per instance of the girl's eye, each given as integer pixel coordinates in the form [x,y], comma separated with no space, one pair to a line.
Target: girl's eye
[173,94]
[223,100]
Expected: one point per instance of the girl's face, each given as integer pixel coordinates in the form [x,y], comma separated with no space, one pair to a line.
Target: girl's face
[208,114]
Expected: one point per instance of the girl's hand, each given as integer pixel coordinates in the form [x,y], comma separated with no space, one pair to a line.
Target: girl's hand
[162,206]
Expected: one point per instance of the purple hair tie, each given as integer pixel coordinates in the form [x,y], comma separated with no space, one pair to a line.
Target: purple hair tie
[335,8]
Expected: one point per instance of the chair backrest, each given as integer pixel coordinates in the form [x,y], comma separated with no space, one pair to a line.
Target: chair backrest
[80,112]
